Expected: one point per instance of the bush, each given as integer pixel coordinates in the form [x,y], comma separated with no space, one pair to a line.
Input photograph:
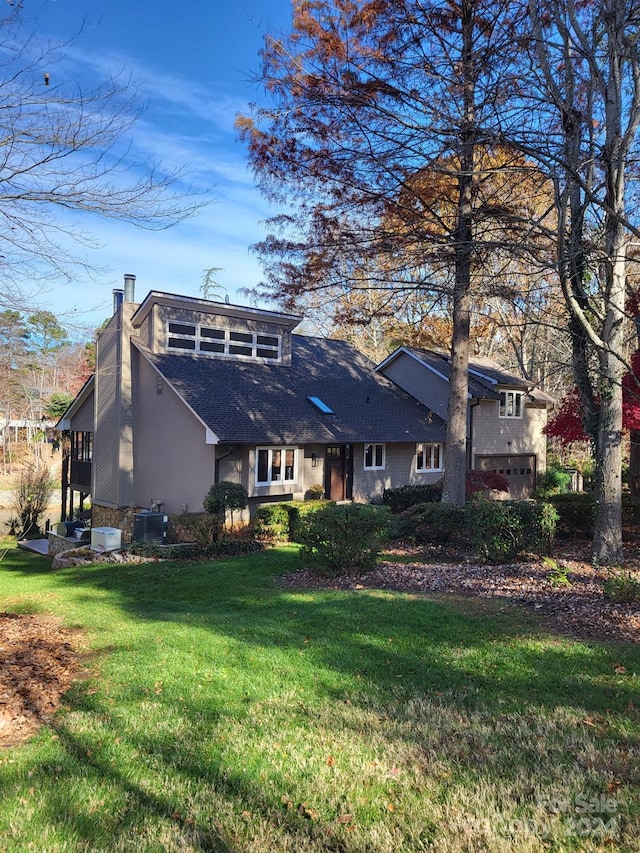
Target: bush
[485,481]
[225,496]
[433,524]
[271,522]
[623,587]
[198,527]
[501,530]
[230,547]
[343,538]
[553,481]
[31,499]
[314,493]
[281,521]
[576,513]
[403,497]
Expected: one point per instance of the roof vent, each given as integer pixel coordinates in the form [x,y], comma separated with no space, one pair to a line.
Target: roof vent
[320,405]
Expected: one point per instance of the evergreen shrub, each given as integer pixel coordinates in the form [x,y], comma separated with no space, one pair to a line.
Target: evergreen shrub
[502,530]
[343,538]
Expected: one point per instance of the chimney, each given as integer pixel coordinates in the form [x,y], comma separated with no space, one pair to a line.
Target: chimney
[129,287]
[118,296]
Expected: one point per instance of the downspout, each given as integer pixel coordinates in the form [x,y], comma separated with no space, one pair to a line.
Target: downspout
[472,406]
[219,460]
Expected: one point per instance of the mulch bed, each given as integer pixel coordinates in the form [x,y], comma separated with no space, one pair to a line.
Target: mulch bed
[579,610]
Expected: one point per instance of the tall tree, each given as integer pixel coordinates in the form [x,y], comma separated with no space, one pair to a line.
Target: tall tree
[65,147]
[365,96]
[588,92]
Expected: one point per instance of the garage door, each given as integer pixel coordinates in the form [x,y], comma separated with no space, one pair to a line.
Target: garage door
[520,471]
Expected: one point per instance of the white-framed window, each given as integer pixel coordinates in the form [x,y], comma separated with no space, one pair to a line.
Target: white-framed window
[374,457]
[235,343]
[428,456]
[276,465]
[511,404]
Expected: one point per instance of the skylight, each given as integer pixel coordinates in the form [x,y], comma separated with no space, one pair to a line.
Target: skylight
[319,404]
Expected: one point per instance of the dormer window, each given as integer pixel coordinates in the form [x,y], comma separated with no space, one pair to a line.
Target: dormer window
[511,404]
[233,343]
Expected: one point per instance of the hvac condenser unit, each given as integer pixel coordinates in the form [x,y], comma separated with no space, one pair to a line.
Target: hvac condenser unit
[150,527]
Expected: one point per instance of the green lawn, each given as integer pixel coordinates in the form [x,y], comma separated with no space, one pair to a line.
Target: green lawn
[226,714]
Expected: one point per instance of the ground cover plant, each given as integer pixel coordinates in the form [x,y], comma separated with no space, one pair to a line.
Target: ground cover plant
[225,711]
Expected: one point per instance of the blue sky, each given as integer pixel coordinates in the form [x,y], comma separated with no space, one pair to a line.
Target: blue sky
[192,62]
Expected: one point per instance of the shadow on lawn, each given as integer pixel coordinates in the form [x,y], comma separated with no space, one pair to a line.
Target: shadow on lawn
[365,652]
[398,644]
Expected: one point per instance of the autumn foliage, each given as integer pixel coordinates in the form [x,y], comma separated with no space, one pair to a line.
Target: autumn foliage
[567,426]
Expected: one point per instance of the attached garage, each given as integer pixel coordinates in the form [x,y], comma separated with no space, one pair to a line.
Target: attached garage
[519,469]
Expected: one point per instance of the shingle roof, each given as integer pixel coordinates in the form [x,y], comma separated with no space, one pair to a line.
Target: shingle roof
[246,402]
[483,373]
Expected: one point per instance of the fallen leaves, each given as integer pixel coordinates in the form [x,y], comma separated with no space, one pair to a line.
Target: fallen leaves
[38,663]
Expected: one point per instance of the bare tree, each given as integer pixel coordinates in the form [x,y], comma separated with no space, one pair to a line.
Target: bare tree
[65,148]
[587,93]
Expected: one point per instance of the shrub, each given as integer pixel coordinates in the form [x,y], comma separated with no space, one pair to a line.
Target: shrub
[501,530]
[229,547]
[622,586]
[403,497]
[198,527]
[271,521]
[314,493]
[225,496]
[576,513]
[485,481]
[432,524]
[31,498]
[343,538]
[553,481]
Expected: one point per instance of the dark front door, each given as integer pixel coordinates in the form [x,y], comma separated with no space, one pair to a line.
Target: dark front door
[337,472]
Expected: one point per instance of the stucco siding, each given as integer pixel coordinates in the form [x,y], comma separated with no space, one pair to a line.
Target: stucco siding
[173,463]
[106,450]
[399,470]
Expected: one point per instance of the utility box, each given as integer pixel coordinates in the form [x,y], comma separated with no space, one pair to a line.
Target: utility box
[150,527]
[106,538]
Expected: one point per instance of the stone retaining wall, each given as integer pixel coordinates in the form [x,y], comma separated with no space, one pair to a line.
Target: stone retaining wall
[105,516]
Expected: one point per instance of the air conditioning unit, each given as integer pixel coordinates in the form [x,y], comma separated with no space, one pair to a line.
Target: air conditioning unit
[150,527]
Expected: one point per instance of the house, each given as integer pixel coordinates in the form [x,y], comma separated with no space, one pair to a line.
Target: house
[188,391]
[505,416]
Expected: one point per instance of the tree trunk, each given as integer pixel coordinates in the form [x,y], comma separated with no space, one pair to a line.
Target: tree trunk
[453,490]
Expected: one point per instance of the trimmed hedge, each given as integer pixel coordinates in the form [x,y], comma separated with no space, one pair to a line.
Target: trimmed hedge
[404,497]
[281,521]
[502,530]
[343,538]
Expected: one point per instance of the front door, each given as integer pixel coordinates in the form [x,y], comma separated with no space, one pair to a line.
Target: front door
[337,472]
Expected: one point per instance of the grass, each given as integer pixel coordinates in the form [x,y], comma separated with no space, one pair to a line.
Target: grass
[224,713]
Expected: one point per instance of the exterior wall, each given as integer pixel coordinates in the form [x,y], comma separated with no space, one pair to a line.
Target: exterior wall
[105,516]
[83,419]
[106,450]
[399,470]
[420,382]
[493,435]
[173,463]
[154,330]
[113,432]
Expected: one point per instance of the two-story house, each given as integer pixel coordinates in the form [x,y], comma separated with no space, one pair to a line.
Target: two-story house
[188,391]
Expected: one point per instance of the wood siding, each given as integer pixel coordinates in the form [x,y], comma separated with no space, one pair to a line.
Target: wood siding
[493,435]
[419,381]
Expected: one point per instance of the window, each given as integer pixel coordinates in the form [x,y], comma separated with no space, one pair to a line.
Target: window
[374,457]
[276,465]
[226,342]
[428,457]
[511,404]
